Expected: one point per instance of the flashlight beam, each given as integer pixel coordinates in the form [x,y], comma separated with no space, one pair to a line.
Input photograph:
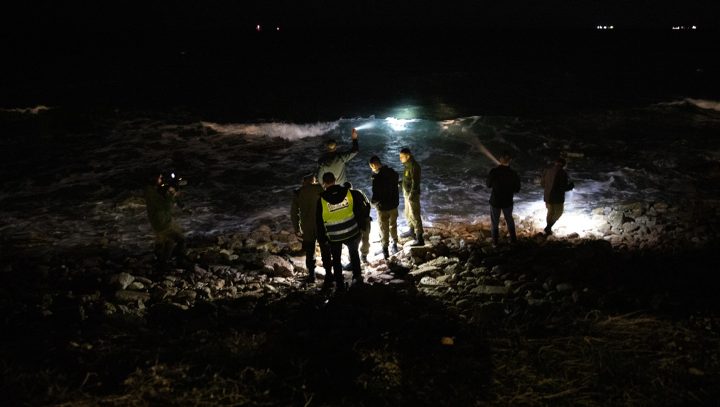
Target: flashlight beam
[480,146]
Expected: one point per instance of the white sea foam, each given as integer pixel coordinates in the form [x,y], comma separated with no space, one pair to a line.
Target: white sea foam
[705,104]
[288,131]
[27,110]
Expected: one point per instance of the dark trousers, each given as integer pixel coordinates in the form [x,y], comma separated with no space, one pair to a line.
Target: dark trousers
[336,252]
[309,247]
[495,219]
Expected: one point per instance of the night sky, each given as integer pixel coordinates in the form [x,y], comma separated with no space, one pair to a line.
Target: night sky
[158,16]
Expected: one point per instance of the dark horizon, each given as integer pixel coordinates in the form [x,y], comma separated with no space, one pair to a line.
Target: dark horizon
[162,16]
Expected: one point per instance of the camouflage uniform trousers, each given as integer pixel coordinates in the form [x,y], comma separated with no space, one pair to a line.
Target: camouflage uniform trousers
[412,213]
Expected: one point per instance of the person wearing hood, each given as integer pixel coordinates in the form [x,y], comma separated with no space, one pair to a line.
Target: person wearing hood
[555,183]
[302,216]
[334,161]
[339,218]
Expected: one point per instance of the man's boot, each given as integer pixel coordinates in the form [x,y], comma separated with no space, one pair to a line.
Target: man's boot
[363,259]
[409,233]
[394,248]
[419,241]
[328,281]
[385,252]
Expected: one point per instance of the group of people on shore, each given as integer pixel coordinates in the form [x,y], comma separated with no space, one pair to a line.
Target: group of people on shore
[505,183]
[333,214]
[327,211]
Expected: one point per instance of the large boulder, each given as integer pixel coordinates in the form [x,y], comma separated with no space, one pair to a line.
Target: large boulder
[276,266]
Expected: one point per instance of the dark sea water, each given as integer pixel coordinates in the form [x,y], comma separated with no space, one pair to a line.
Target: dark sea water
[243,118]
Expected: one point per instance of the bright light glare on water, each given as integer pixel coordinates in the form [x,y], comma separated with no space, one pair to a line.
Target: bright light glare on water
[397,124]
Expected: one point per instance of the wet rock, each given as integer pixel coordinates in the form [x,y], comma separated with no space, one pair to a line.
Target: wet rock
[131,296]
[629,227]
[428,281]
[442,261]
[121,280]
[187,295]
[144,280]
[424,270]
[489,290]
[136,285]
[276,266]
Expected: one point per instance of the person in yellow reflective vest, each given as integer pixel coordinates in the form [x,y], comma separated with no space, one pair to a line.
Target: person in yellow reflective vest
[339,219]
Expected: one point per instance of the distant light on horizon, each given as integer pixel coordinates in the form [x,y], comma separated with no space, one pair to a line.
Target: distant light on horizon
[605,27]
[257,27]
[682,27]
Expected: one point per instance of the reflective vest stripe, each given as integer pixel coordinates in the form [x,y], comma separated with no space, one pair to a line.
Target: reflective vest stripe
[339,220]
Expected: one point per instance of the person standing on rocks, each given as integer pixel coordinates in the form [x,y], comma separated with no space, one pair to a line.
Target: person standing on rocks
[555,182]
[364,226]
[411,192]
[338,218]
[302,216]
[334,161]
[160,198]
[386,198]
[505,183]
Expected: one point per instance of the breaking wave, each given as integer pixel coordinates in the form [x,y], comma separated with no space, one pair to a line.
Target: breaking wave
[288,131]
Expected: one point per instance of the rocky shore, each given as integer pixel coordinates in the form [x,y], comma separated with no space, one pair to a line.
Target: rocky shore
[624,313]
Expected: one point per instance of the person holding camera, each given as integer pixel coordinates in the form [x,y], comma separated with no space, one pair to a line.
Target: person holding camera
[160,198]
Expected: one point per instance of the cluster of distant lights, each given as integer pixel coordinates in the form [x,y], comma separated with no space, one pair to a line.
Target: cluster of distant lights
[676,27]
[259,28]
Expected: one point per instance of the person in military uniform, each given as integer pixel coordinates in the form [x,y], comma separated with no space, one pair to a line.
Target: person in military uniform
[338,222]
[302,216]
[160,198]
[334,161]
[386,198]
[411,192]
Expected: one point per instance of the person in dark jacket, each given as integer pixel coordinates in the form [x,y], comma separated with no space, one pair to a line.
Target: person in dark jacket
[555,182]
[386,199]
[160,198]
[338,220]
[334,161]
[302,216]
[505,183]
[364,226]
[411,192]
